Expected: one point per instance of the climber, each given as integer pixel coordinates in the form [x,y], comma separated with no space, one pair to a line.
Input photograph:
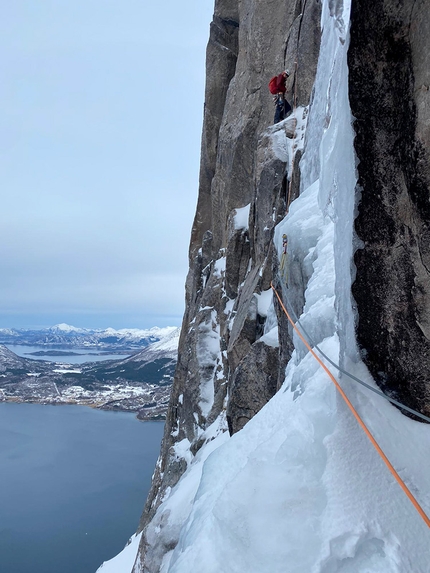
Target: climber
[277,87]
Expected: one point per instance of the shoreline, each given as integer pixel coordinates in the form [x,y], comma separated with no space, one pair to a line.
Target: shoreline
[160,416]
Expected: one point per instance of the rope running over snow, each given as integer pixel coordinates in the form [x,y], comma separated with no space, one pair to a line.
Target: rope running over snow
[340,369]
[375,444]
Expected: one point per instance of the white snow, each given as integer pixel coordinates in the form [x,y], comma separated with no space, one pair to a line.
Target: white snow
[182,450]
[8,332]
[279,143]
[169,342]
[219,267]
[264,301]
[131,333]
[241,217]
[63,327]
[167,524]
[229,306]
[301,489]
[124,561]
[271,338]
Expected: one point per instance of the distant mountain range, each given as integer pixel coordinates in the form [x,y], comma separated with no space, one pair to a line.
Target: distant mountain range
[66,335]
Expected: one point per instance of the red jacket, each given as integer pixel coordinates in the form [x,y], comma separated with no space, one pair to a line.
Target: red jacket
[280,83]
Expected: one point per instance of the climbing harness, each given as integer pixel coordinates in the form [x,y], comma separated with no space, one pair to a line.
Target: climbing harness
[375,444]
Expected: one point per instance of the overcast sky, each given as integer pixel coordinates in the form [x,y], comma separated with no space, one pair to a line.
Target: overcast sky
[101,116]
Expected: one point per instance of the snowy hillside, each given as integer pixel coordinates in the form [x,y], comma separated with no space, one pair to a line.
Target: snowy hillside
[166,347]
[140,383]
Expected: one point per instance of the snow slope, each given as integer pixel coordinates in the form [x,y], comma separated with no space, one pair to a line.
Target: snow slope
[300,489]
[125,560]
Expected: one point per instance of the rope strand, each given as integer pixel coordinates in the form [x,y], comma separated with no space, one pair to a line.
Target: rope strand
[375,444]
[368,386]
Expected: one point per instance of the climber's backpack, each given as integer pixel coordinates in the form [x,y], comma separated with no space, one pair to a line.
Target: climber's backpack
[273,85]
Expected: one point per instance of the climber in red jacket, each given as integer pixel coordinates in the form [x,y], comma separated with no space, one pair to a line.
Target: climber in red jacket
[278,87]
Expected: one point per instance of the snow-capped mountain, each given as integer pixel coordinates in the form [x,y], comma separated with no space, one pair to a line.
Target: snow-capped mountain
[66,335]
[65,328]
[166,347]
[155,363]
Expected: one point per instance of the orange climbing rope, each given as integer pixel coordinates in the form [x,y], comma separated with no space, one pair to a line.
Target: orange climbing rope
[375,444]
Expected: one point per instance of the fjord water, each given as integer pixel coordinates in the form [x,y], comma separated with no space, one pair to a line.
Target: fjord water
[73,482]
[79,356]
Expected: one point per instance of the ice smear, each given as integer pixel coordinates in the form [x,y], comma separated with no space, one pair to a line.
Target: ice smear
[264,300]
[271,319]
[219,267]
[210,359]
[241,217]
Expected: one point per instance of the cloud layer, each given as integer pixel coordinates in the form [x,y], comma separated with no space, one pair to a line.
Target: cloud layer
[102,112]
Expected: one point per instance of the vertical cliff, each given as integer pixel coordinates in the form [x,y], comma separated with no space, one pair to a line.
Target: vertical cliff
[389,62]
[224,365]
[236,349]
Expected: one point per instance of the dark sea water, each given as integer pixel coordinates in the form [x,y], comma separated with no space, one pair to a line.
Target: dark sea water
[73,482]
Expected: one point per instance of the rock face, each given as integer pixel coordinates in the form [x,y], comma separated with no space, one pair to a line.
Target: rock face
[389,61]
[230,363]
[223,365]
[254,383]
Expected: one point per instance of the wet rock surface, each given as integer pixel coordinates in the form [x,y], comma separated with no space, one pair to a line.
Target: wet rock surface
[254,383]
[390,99]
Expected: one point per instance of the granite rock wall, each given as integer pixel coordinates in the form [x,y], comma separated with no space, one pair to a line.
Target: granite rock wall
[224,368]
[389,61]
